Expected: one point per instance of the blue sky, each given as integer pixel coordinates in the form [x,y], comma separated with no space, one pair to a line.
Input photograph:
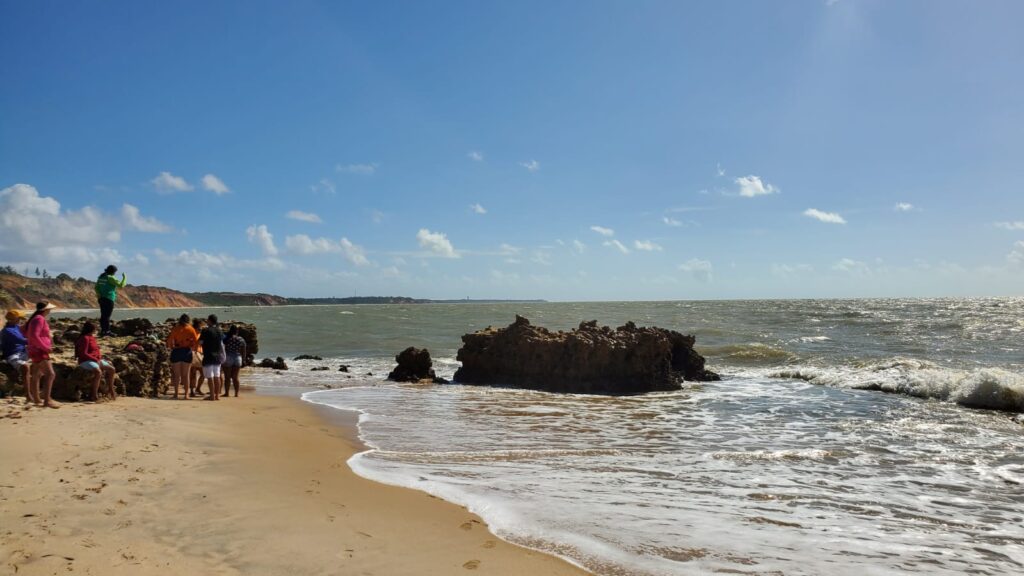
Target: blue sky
[560,150]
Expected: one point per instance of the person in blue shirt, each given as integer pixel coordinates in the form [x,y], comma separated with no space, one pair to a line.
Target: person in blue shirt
[14,345]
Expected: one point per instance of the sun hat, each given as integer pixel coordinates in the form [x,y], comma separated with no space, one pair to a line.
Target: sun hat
[42,306]
[13,315]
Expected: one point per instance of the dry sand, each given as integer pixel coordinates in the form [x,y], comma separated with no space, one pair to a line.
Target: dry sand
[256,485]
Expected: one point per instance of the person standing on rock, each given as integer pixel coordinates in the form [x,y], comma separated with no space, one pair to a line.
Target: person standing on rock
[212,340]
[40,344]
[106,292]
[15,346]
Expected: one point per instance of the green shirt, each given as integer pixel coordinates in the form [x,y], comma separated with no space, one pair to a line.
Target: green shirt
[107,285]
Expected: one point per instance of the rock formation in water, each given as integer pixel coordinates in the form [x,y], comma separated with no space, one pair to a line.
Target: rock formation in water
[137,350]
[414,365]
[590,359]
[278,364]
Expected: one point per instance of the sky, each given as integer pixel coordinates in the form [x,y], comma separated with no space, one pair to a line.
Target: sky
[560,150]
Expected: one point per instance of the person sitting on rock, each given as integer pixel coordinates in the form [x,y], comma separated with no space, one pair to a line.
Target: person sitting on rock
[234,347]
[181,341]
[87,351]
[106,294]
[40,344]
[15,346]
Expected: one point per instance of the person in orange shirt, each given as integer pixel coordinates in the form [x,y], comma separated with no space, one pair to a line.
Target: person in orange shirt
[181,341]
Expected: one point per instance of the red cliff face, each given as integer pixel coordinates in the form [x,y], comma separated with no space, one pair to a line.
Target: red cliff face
[66,292]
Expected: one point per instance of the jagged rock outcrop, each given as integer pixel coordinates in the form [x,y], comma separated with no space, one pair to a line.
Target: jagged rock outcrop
[137,350]
[590,359]
[414,365]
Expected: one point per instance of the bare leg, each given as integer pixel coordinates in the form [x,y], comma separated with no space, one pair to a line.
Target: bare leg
[234,376]
[96,385]
[176,379]
[32,391]
[46,385]
[26,376]
[111,373]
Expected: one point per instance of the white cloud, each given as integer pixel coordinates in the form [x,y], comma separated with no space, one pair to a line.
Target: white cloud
[325,186]
[304,216]
[607,232]
[1016,256]
[851,266]
[646,245]
[616,244]
[827,217]
[262,237]
[353,253]
[719,170]
[303,244]
[751,186]
[133,220]
[475,156]
[671,222]
[33,221]
[167,183]
[787,270]
[364,169]
[541,257]
[700,270]
[508,250]
[436,242]
[531,165]
[214,184]
[478,209]
[903,207]
[1018,225]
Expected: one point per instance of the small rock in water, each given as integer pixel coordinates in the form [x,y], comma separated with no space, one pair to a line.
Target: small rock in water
[319,368]
[343,368]
[308,357]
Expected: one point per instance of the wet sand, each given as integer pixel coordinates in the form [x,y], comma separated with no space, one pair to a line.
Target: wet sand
[256,485]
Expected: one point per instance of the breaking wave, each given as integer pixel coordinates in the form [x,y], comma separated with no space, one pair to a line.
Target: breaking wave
[992,388]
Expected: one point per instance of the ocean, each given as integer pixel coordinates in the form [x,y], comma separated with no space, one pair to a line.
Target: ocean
[846,436]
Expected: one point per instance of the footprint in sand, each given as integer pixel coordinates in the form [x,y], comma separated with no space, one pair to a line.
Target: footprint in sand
[471,565]
[488,544]
[469,525]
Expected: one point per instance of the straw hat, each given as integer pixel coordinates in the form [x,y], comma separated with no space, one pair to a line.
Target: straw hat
[47,306]
[13,316]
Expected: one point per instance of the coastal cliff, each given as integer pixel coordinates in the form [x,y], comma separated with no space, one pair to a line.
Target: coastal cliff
[18,291]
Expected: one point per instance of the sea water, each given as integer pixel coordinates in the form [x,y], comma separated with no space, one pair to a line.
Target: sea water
[846,437]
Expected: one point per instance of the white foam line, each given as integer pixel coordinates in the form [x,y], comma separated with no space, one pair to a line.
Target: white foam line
[434,489]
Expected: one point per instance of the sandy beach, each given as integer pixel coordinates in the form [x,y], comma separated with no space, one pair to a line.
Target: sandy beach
[256,485]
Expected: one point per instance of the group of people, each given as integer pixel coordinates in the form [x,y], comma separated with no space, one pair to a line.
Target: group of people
[205,353]
[198,352]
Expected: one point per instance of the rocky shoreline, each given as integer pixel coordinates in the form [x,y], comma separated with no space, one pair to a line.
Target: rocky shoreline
[137,350]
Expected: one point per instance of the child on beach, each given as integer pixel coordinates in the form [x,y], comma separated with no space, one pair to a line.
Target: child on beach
[39,347]
[15,346]
[181,341]
[212,340]
[234,347]
[87,351]
[195,378]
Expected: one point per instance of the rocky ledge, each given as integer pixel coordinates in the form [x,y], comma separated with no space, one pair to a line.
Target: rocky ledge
[137,350]
[590,359]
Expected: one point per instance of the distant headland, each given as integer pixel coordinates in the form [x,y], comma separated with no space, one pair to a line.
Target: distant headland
[18,290]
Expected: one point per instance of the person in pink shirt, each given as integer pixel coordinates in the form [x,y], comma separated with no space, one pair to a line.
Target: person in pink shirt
[37,331]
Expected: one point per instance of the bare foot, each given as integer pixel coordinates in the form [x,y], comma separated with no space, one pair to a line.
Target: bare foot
[52,404]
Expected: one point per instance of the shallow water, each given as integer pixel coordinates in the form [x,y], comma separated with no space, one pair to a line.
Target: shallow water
[796,463]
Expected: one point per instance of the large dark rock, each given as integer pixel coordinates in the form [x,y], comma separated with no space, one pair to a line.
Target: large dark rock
[414,365]
[278,364]
[590,359]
